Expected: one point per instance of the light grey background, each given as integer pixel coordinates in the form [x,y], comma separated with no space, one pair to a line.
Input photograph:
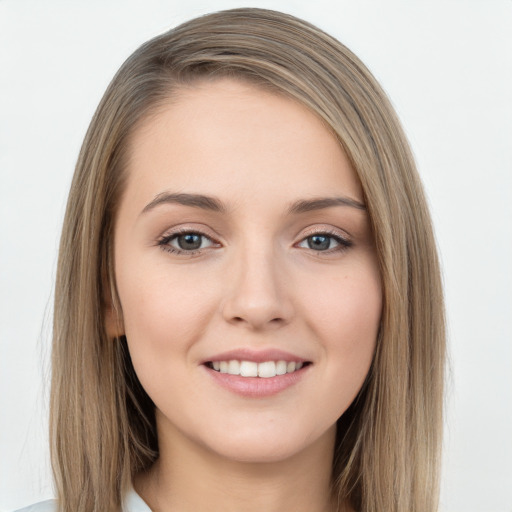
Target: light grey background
[447,66]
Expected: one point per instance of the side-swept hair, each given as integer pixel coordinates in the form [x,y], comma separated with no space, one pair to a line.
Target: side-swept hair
[102,421]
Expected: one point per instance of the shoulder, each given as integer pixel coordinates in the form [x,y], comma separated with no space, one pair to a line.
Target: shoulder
[42,506]
[132,503]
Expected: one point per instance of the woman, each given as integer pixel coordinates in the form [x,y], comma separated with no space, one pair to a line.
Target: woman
[248,304]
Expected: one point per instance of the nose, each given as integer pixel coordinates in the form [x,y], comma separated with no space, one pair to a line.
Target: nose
[258,294]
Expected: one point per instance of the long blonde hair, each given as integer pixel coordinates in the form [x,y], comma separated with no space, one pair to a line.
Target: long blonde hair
[102,421]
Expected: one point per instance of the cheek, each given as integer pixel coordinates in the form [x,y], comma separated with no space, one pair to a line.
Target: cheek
[165,310]
[346,315]
[164,315]
[155,295]
[349,304]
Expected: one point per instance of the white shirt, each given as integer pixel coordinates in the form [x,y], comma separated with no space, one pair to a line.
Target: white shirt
[132,502]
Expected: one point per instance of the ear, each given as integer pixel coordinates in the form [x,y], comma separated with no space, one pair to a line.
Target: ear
[114,324]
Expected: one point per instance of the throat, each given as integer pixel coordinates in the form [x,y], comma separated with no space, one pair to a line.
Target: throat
[272,487]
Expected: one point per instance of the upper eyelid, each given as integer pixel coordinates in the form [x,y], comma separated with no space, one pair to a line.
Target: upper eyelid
[332,231]
[180,230]
[303,233]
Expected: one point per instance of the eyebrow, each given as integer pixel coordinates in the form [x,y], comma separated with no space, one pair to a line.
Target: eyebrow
[195,200]
[307,205]
[216,205]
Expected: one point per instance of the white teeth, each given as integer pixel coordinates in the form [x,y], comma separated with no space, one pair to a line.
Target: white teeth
[291,367]
[234,367]
[265,369]
[248,369]
[281,367]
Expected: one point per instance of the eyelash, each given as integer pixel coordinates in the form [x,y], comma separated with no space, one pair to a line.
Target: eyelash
[164,241]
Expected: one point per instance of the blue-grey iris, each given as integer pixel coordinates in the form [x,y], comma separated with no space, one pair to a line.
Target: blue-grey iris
[189,241]
[319,242]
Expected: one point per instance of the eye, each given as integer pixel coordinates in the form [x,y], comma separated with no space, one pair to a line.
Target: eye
[325,242]
[186,242]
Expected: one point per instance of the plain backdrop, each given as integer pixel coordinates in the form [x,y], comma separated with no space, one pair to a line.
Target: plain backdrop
[447,66]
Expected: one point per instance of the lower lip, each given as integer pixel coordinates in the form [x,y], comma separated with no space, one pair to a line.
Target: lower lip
[257,387]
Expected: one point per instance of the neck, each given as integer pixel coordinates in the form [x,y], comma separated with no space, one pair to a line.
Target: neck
[190,478]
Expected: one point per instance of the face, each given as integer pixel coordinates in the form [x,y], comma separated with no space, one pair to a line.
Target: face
[246,272]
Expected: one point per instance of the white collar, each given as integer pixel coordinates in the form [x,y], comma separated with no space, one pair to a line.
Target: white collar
[132,502]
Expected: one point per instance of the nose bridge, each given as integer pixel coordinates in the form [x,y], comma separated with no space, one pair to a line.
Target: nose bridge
[258,296]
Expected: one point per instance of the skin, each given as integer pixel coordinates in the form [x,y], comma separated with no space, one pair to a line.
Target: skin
[255,283]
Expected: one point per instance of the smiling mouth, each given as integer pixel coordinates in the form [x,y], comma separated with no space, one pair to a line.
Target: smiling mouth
[265,369]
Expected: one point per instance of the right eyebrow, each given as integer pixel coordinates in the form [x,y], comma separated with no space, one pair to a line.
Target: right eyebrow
[195,200]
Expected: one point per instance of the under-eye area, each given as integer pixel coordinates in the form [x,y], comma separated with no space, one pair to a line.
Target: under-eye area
[265,369]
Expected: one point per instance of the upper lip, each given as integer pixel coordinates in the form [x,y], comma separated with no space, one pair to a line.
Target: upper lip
[256,356]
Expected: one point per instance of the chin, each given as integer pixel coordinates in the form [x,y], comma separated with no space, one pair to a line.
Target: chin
[268,445]
[258,453]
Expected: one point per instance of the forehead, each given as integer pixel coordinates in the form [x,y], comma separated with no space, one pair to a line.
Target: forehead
[231,138]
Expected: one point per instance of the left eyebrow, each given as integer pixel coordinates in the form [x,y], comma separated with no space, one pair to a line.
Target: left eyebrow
[308,205]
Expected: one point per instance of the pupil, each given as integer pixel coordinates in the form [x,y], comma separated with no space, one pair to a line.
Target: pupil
[319,242]
[189,241]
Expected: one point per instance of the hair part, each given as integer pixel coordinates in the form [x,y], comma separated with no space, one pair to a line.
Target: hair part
[102,422]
